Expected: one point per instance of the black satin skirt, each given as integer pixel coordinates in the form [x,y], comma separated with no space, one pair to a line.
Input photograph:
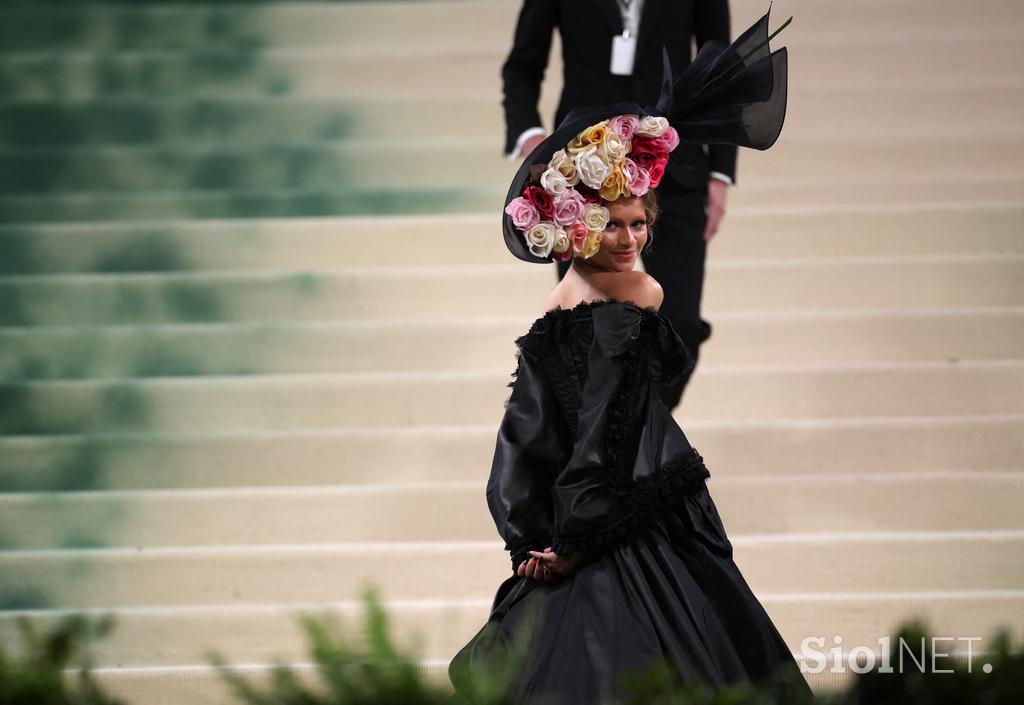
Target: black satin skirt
[671,594]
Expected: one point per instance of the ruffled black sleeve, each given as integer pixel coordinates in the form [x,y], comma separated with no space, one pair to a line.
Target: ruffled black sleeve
[532,445]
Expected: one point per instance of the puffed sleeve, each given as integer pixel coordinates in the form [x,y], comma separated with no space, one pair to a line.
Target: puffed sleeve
[630,458]
[532,445]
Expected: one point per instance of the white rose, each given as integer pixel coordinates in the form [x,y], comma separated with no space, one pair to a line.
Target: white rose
[566,166]
[540,238]
[592,169]
[553,181]
[652,126]
[596,217]
[613,148]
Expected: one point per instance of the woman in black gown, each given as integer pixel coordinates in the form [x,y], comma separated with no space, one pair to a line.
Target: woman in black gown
[617,548]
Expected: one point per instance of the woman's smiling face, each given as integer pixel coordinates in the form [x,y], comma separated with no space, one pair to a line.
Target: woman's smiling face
[624,236]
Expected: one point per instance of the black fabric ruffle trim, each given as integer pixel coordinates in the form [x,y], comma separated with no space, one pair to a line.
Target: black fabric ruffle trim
[674,482]
[521,552]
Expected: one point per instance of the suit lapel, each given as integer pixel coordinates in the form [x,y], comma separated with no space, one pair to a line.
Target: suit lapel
[612,14]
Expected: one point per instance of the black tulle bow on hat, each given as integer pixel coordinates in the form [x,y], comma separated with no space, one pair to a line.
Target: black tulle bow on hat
[731,94]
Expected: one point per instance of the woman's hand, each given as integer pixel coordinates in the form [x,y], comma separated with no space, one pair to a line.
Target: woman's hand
[533,568]
[545,565]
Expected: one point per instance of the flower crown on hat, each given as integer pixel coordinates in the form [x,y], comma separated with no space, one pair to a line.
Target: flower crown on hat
[559,212]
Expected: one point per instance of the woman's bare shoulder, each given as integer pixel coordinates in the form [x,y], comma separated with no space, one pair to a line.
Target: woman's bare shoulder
[639,287]
[555,298]
[636,286]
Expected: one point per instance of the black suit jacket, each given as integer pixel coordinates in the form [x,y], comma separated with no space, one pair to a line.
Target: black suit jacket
[586,28]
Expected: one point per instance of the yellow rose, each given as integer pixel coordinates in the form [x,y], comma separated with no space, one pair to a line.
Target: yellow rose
[596,134]
[593,135]
[593,244]
[615,184]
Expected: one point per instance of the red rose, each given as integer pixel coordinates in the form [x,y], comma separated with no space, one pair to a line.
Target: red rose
[541,200]
[646,151]
[657,171]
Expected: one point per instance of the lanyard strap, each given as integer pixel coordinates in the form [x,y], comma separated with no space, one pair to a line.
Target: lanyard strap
[629,26]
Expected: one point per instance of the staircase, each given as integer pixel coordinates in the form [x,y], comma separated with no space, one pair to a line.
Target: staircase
[255,335]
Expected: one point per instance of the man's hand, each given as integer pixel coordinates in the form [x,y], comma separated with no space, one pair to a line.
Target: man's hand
[531,144]
[715,207]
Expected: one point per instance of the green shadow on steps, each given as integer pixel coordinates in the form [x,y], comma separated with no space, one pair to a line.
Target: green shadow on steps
[80,139]
[254,147]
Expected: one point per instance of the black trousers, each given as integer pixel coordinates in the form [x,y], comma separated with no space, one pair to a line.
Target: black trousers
[675,258]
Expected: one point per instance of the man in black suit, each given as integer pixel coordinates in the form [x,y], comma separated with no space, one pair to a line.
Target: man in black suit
[692,194]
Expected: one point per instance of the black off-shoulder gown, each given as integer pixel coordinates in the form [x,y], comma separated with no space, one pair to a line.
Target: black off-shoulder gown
[588,458]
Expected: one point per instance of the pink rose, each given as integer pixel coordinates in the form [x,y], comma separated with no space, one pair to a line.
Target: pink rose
[523,213]
[577,233]
[541,200]
[568,208]
[669,139]
[624,126]
[637,179]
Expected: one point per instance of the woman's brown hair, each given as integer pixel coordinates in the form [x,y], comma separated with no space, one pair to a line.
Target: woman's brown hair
[650,200]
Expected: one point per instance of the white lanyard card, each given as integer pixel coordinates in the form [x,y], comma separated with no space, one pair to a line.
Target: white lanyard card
[623,54]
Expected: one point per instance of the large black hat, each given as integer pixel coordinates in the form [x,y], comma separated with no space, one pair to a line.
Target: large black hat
[733,94]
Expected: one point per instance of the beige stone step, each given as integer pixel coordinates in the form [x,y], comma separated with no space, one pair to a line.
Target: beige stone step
[368,27]
[258,633]
[825,337]
[370,293]
[470,163]
[266,203]
[168,120]
[457,70]
[784,193]
[859,446]
[807,190]
[279,403]
[339,514]
[302,243]
[138,577]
